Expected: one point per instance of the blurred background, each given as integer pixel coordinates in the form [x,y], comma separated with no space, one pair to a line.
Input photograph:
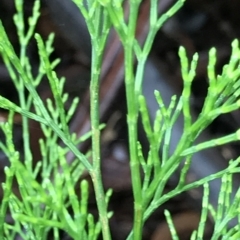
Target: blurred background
[198,26]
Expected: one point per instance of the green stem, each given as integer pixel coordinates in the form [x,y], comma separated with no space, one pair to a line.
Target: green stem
[132,117]
[22,100]
[26,136]
[96,171]
[7,191]
[132,135]
[19,22]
